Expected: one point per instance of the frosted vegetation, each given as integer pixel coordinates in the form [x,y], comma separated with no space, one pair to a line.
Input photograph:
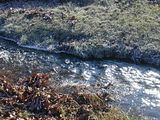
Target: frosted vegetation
[128,29]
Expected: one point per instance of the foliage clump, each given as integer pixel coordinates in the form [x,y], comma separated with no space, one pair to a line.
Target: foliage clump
[35,99]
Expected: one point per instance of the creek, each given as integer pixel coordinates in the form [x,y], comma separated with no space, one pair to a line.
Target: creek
[135,88]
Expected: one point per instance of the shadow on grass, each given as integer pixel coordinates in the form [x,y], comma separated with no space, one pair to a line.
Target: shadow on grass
[6,4]
[41,34]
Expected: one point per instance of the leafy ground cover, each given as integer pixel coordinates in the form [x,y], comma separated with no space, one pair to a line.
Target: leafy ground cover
[34,99]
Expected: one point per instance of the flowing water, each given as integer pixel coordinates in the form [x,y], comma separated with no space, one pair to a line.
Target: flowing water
[136,88]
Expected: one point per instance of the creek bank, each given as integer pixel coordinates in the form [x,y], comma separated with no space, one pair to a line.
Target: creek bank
[135,55]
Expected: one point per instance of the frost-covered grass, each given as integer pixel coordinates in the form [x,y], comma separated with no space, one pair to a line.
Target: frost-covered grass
[99,29]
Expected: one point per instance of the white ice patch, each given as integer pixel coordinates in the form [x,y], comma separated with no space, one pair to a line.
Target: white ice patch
[154,92]
[87,75]
[4,55]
